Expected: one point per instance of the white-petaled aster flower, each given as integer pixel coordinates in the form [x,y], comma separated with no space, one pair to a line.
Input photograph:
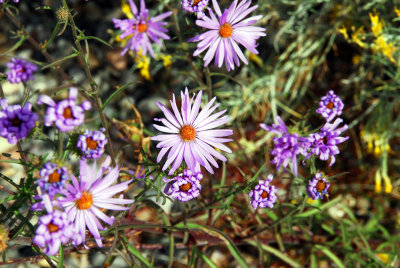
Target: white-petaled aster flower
[94,191]
[190,133]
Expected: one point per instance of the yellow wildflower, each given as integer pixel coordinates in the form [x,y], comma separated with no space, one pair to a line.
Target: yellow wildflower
[3,238]
[376,24]
[143,63]
[397,11]
[166,60]
[384,257]
[343,31]
[256,59]
[387,49]
[126,9]
[356,59]
[358,36]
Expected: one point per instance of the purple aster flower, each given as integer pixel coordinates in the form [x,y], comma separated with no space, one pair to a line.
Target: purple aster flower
[263,195]
[53,230]
[185,186]
[190,134]
[287,146]
[52,179]
[225,32]
[318,187]
[15,121]
[324,143]
[195,6]
[142,28]
[20,70]
[66,114]
[15,1]
[92,143]
[94,191]
[330,106]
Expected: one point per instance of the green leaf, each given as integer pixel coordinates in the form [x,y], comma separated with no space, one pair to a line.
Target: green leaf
[116,93]
[136,253]
[95,38]
[61,257]
[221,235]
[73,55]
[15,46]
[330,255]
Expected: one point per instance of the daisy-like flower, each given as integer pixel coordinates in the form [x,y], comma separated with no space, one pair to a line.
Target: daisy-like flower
[263,195]
[330,106]
[94,191]
[52,179]
[66,114]
[53,230]
[190,134]
[141,29]
[318,187]
[195,6]
[15,121]
[226,32]
[185,186]
[20,71]
[287,147]
[324,143]
[92,143]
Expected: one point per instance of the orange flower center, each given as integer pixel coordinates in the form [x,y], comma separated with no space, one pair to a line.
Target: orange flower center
[85,202]
[54,177]
[187,133]
[16,122]
[323,140]
[23,70]
[142,27]
[330,105]
[264,194]
[320,186]
[195,2]
[52,228]
[185,187]
[68,113]
[91,144]
[225,30]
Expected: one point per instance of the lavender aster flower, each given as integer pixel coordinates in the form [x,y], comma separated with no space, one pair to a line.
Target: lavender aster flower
[264,195]
[66,114]
[190,134]
[94,191]
[92,143]
[142,28]
[226,31]
[55,229]
[52,179]
[330,106]
[318,187]
[287,146]
[324,142]
[15,121]
[195,6]
[20,70]
[185,186]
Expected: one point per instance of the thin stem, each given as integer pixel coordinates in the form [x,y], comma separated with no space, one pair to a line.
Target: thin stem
[60,144]
[209,84]
[98,103]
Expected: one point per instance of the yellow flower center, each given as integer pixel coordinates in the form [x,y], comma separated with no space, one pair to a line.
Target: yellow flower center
[85,202]
[142,27]
[54,177]
[91,144]
[68,113]
[52,228]
[195,2]
[264,194]
[320,186]
[225,30]
[330,105]
[187,133]
[185,187]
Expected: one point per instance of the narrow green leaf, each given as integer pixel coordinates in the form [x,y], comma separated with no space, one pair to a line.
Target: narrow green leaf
[73,55]
[314,211]
[95,38]
[330,255]
[116,93]
[136,253]
[207,260]
[61,257]
[15,46]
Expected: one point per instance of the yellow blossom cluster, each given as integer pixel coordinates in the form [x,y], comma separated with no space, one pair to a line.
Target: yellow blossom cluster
[380,43]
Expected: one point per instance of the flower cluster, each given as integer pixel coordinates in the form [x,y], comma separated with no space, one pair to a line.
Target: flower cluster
[322,144]
[263,195]
[20,70]
[318,187]
[52,179]
[92,143]
[330,106]
[66,114]
[16,121]
[195,6]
